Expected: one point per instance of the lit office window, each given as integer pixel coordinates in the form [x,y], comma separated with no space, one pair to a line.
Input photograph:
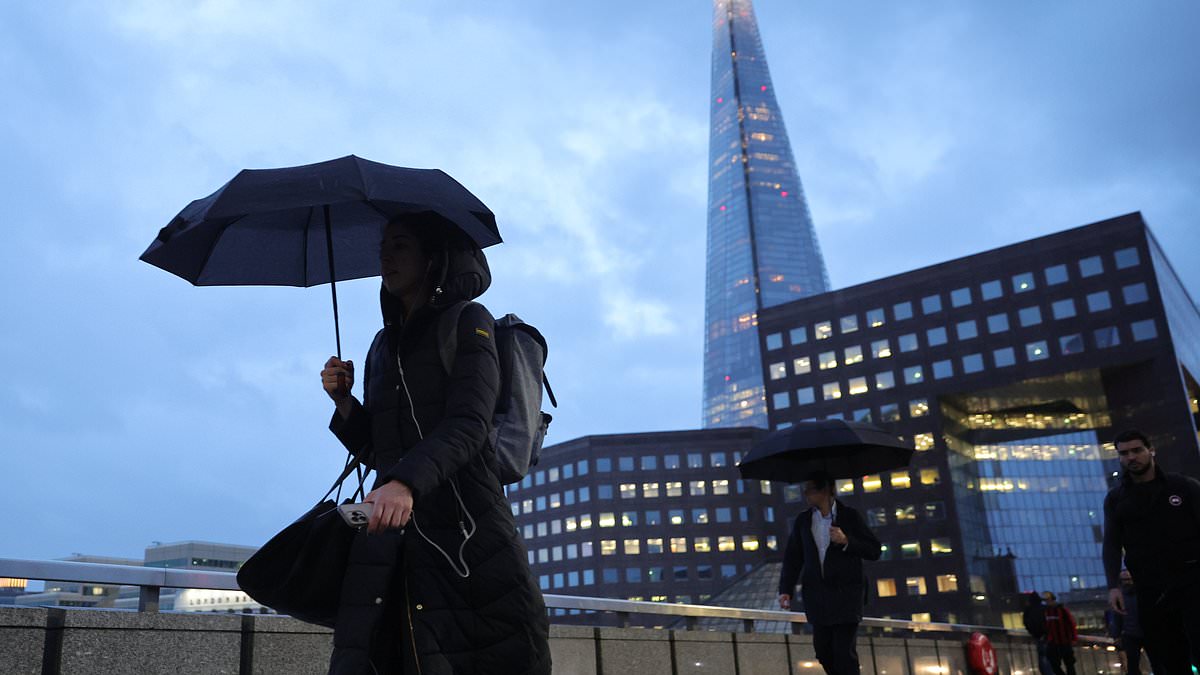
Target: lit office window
[1070,344]
[629,518]
[798,336]
[764,486]
[849,324]
[990,290]
[910,549]
[701,545]
[671,462]
[543,555]
[857,385]
[720,486]
[655,574]
[943,369]
[608,547]
[931,304]
[674,488]
[778,370]
[915,586]
[831,391]
[628,490]
[901,480]
[885,380]
[913,375]
[633,546]
[851,355]
[908,342]
[555,500]
[1029,316]
[1135,293]
[774,341]
[918,407]
[960,297]
[902,310]
[1090,267]
[571,523]
[972,363]
[679,545]
[608,519]
[844,486]
[542,529]
[654,545]
[1056,274]
[749,542]
[875,317]
[935,511]
[1107,337]
[936,336]
[1037,351]
[1004,357]
[940,546]
[772,543]
[872,483]
[527,505]
[1126,257]
[947,583]
[586,550]
[716,459]
[885,552]
[805,395]
[886,588]
[780,400]
[700,516]
[877,517]
[827,360]
[696,488]
[802,365]
[881,349]
[1099,301]
[905,513]
[1022,282]
[923,442]
[585,521]
[889,412]
[726,544]
[966,329]
[556,553]
[649,490]
[823,330]
[931,476]
[695,460]
[1143,330]
[675,516]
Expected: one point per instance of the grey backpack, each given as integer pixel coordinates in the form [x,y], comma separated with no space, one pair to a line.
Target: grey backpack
[518,425]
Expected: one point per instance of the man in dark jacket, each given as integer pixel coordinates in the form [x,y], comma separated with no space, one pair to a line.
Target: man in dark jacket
[1125,628]
[1034,619]
[825,552]
[1153,517]
[1060,636]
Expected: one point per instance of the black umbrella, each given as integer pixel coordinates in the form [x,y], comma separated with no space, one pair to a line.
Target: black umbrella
[839,448]
[295,226]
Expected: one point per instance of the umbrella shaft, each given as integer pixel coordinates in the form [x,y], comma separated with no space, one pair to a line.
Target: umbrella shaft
[337,331]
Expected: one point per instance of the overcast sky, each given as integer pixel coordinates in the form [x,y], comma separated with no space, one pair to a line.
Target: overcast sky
[138,408]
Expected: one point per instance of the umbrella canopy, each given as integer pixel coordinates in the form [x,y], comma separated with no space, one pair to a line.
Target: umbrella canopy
[840,448]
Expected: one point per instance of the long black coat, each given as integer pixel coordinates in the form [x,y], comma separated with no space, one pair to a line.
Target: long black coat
[427,430]
[833,595]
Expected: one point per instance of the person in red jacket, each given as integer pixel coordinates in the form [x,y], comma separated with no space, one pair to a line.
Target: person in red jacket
[1060,635]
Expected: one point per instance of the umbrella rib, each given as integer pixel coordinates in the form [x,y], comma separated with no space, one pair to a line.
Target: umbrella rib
[216,240]
[307,225]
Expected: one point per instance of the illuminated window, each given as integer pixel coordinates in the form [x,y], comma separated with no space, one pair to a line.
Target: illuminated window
[608,547]
[725,544]
[931,476]
[831,391]
[877,517]
[778,370]
[700,516]
[913,375]
[541,529]
[696,488]
[633,546]
[527,505]
[679,545]
[823,330]
[608,519]
[1126,257]
[765,487]
[875,317]
[849,324]
[749,543]
[701,545]
[844,486]
[1090,267]
[720,486]
[910,549]
[675,516]
[881,349]
[585,521]
[571,524]
[650,490]
[674,488]
[901,480]
[886,587]
[918,407]
[802,365]
[925,617]
[628,490]
[889,412]
[947,583]
[852,355]
[940,546]
[902,310]
[629,518]
[1022,282]
[772,543]
[585,549]
[872,483]
[857,385]
[827,360]
[915,586]
[1037,351]
[654,545]
[905,513]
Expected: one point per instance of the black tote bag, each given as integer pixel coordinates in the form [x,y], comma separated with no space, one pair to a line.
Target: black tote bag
[299,571]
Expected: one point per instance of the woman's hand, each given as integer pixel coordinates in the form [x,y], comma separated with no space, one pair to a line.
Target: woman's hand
[393,506]
[338,378]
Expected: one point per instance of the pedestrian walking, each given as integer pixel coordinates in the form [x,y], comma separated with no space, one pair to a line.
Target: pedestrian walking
[1060,636]
[1034,618]
[825,553]
[1152,520]
[438,581]
[1125,629]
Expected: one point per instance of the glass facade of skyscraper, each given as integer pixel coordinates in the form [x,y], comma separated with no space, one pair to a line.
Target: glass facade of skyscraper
[762,249]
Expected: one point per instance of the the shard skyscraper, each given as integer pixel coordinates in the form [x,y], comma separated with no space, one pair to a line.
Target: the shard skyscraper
[762,248]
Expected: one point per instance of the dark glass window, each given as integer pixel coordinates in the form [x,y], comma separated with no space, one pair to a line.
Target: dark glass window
[649,462]
[848,324]
[716,459]
[1070,344]
[1144,330]
[1063,309]
[805,395]
[603,464]
[671,462]
[1030,316]
[774,341]
[724,514]
[1099,301]
[1135,293]
[935,511]
[625,463]
[633,575]
[997,323]
[695,460]
[680,573]
[913,375]
[966,330]
[1090,267]
[798,336]
[610,575]
[943,369]
[1126,257]
[960,297]
[931,304]
[902,310]
[908,342]
[862,415]
[936,336]
[585,494]
[1107,337]
[582,467]
[604,492]
[1004,357]
[1056,274]
[990,290]
[654,517]
[972,363]
[889,412]
[568,470]
[877,517]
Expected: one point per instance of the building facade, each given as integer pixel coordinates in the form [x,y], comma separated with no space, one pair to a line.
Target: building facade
[762,249]
[1010,371]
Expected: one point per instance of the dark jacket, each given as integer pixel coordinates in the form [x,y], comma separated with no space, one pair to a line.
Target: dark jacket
[1157,526]
[833,593]
[1034,616]
[429,430]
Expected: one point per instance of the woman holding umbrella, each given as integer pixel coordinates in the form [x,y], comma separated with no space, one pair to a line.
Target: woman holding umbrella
[438,582]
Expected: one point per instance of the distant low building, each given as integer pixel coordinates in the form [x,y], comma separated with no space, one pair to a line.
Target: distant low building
[72,594]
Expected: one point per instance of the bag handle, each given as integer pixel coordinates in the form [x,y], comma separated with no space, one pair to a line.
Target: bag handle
[352,464]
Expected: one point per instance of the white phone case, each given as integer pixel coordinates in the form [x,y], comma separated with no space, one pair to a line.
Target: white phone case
[356,515]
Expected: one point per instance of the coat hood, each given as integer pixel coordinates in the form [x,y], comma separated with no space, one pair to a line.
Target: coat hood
[460,273]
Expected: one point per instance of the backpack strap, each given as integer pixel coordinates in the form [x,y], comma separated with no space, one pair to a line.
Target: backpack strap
[448,334]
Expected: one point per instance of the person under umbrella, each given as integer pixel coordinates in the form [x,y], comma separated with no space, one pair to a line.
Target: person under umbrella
[825,553]
[438,582]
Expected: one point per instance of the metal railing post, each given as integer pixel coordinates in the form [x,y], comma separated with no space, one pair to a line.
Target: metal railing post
[148,598]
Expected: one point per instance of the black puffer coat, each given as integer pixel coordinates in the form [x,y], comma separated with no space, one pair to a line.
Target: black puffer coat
[401,595]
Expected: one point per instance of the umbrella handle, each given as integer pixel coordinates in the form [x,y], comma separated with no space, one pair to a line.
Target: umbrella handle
[337,331]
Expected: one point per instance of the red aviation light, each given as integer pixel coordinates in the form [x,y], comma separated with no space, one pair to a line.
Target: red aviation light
[763,88]
[720,99]
[783,194]
[722,207]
